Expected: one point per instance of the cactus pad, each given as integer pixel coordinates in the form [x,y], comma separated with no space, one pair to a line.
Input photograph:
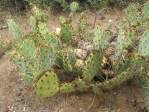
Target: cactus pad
[67,88]
[66,32]
[47,85]
[144,44]
[67,59]
[146,10]
[27,49]
[81,85]
[132,14]
[92,66]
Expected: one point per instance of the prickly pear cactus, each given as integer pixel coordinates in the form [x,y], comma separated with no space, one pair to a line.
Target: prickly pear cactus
[36,17]
[146,10]
[67,59]
[133,14]
[38,53]
[23,55]
[82,30]
[76,85]
[99,39]
[14,29]
[81,85]
[38,14]
[32,57]
[46,58]
[67,87]
[92,66]
[47,85]
[144,44]
[66,33]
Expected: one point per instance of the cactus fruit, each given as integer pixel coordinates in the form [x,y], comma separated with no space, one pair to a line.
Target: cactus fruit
[47,85]
[92,66]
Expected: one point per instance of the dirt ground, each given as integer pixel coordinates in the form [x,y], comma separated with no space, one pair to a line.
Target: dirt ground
[16,95]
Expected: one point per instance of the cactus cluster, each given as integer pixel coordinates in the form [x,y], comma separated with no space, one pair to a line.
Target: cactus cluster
[40,54]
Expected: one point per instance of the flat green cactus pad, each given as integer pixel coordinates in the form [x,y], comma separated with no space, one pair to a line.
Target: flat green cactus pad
[81,85]
[67,59]
[146,10]
[132,14]
[92,66]
[144,44]
[66,33]
[47,85]
[67,87]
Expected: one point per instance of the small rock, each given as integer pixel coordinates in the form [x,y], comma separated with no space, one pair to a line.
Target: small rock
[80,53]
[3,27]
[85,46]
